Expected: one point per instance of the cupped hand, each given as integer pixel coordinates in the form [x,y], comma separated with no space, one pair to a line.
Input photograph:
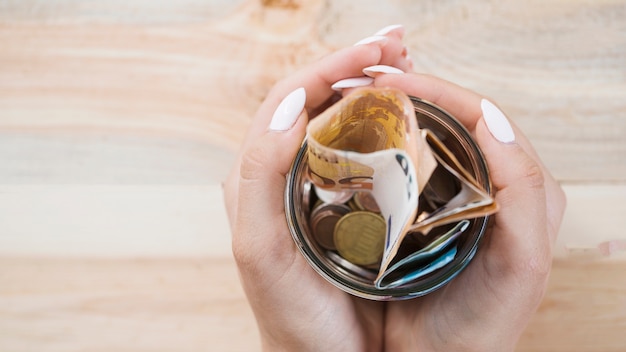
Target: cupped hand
[487,307]
[295,308]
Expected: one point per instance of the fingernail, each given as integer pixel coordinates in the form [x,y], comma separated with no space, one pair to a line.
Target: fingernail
[497,123]
[388,29]
[373,71]
[373,39]
[352,83]
[288,110]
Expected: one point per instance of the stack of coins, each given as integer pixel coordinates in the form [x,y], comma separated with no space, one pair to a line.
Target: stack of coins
[353,229]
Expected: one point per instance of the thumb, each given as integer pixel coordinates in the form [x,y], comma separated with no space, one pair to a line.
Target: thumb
[519,243]
[260,223]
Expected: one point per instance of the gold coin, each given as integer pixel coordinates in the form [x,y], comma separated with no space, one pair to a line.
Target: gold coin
[360,237]
[323,220]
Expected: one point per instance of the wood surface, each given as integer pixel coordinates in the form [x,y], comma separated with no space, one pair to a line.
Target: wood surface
[119,120]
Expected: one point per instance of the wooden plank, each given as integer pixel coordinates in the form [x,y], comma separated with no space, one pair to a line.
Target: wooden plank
[113,221]
[123,305]
[179,220]
[584,308]
[592,219]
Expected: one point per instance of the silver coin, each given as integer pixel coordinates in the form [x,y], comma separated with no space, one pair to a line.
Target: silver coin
[352,268]
[333,197]
[323,220]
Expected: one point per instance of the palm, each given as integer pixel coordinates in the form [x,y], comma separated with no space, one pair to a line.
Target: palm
[442,311]
[341,317]
[336,318]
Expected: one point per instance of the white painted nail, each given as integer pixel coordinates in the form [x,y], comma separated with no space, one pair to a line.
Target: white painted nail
[373,71]
[497,123]
[372,39]
[388,29]
[288,110]
[352,83]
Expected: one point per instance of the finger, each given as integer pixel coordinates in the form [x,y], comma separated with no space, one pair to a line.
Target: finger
[402,61]
[519,240]
[346,86]
[394,54]
[554,196]
[259,222]
[458,101]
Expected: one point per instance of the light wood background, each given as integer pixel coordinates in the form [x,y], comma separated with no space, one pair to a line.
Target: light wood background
[119,119]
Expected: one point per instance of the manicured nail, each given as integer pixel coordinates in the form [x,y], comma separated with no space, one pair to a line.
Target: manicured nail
[497,123]
[373,39]
[352,83]
[375,70]
[288,110]
[388,29]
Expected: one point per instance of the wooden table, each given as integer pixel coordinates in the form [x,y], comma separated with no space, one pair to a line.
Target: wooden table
[120,119]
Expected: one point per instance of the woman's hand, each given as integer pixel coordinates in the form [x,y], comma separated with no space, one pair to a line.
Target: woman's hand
[295,308]
[487,307]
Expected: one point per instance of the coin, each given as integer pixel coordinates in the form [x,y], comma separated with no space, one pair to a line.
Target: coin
[335,197]
[360,237]
[323,220]
[306,196]
[368,275]
[365,201]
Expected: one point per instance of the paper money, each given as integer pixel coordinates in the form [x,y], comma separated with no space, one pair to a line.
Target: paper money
[472,201]
[369,141]
[420,263]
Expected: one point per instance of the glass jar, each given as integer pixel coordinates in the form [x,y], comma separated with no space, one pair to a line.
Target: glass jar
[299,199]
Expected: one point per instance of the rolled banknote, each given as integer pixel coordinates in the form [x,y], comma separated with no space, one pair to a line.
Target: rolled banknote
[369,141]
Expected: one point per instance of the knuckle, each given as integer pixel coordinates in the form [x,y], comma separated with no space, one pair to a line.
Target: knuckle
[244,257]
[252,162]
[533,174]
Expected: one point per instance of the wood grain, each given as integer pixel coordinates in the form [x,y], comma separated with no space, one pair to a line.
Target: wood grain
[119,120]
[198,305]
[74,279]
[94,99]
[123,305]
